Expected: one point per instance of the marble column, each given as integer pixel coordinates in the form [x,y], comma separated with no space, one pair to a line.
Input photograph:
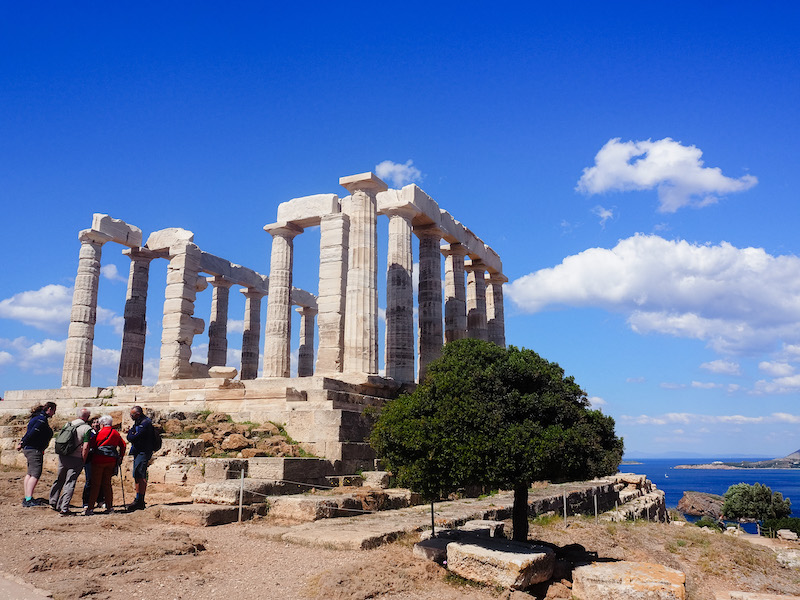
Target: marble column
[476,300]
[429,296]
[179,326]
[251,336]
[279,303]
[78,355]
[218,323]
[134,332]
[399,353]
[334,232]
[305,355]
[361,312]
[455,303]
[495,319]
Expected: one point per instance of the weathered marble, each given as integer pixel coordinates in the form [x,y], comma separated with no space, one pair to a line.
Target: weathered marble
[218,323]
[455,303]
[476,300]
[305,352]
[399,352]
[134,332]
[333,251]
[429,296]
[251,335]
[495,314]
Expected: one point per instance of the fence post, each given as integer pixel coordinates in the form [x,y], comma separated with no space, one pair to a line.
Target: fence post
[565,509]
[241,495]
[595,508]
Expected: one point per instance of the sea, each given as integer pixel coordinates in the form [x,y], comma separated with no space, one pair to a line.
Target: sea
[662,472]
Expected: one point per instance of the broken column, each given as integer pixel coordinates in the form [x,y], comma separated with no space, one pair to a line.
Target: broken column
[429,296]
[78,355]
[476,300]
[399,356]
[495,318]
[361,312]
[251,336]
[455,304]
[277,344]
[334,232]
[305,354]
[131,359]
[218,322]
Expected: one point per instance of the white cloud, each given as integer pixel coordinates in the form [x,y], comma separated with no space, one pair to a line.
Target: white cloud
[6,358]
[596,401]
[235,326]
[706,385]
[398,174]
[635,380]
[47,308]
[111,273]
[776,369]
[735,299]
[671,386]
[689,419]
[604,214]
[780,385]
[722,367]
[674,170]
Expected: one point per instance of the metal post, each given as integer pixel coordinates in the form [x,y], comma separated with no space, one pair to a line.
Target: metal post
[595,508]
[565,509]
[241,495]
[433,525]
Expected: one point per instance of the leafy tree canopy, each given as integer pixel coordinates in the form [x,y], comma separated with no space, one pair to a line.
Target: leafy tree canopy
[743,501]
[494,417]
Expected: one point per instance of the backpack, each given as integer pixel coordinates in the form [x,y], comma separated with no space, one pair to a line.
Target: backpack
[67,439]
[157,442]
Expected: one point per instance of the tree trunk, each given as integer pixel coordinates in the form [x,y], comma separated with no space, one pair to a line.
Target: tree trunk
[519,515]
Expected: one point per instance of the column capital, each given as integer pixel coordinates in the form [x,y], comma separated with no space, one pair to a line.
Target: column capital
[475,265]
[89,236]
[306,310]
[430,230]
[407,212]
[142,254]
[220,281]
[496,278]
[254,293]
[454,249]
[364,182]
[284,229]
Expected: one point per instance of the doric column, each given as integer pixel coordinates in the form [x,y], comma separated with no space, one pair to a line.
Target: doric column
[78,355]
[430,296]
[476,300]
[251,336]
[361,303]
[279,303]
[495,319]
[179,326]
[334,233]
[218,323]
[134,332]
[399,357]
[305,355]
[455,303]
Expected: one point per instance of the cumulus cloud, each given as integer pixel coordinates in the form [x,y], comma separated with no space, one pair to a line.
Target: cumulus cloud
[47,308]
[779,385]
[596,401]
[398,174]
[722,367]
[689,418]
[706,385]
[674,170]
[776,369]
[111,273]
[635,380]
[668,385]
[6,358]
[604,214]
[735,299]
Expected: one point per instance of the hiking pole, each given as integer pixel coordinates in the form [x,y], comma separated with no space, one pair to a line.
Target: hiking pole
[122,483]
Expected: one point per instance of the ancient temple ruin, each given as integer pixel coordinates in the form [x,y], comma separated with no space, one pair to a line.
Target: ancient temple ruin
[321,407]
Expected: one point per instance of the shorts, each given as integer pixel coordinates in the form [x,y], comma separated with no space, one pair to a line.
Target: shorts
[35,460]
[140,463]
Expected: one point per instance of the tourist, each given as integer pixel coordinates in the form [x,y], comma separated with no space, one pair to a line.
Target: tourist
[70,465]
[108,449]
[33,445]
[94,423]
[142,438]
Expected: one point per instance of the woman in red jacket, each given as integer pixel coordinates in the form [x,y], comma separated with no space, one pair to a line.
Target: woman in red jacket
[107,449]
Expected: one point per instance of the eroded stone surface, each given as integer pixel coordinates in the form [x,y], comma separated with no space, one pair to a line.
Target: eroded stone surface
[507,564]
[628,581]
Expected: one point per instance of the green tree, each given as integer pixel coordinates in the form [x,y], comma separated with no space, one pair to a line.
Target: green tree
[743,501]
[498,418]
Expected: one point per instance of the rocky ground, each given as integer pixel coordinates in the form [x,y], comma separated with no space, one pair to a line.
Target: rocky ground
[132,556]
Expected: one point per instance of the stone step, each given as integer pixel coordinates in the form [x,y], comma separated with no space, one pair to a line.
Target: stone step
[207,515]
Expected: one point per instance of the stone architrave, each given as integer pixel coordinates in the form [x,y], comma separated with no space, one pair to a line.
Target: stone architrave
[218,323]
[131,359]
[78,355]
[476,300]
[455,302]
[305,355]
[279,302]
[179,326]
[361,303]
[495,319]
[333,248]
[399,357]
[251,336]
[429,296]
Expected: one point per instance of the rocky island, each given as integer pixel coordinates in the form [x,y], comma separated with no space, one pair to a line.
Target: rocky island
[790,461]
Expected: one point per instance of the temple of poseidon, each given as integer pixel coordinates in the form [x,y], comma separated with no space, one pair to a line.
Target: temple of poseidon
[322,406]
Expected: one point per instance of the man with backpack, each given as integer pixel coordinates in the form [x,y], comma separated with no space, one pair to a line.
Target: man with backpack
[70,445]
[142,437]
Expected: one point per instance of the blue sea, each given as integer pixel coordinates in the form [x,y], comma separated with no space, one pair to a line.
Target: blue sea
[662,472]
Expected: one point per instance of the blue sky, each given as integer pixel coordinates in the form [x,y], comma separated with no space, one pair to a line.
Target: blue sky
[633,164]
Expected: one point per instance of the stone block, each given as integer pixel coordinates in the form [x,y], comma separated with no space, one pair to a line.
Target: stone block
[786,534]
[756,596]
[434,549]
[222,372]
[171,236]
[484,528]
[628,581]
[501,563]
[227,492]
[305,509]
[377,479]
[119,231]
[180,448]
[184,472]
[206,515]
[13,459]
[308,210]
[218,469]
